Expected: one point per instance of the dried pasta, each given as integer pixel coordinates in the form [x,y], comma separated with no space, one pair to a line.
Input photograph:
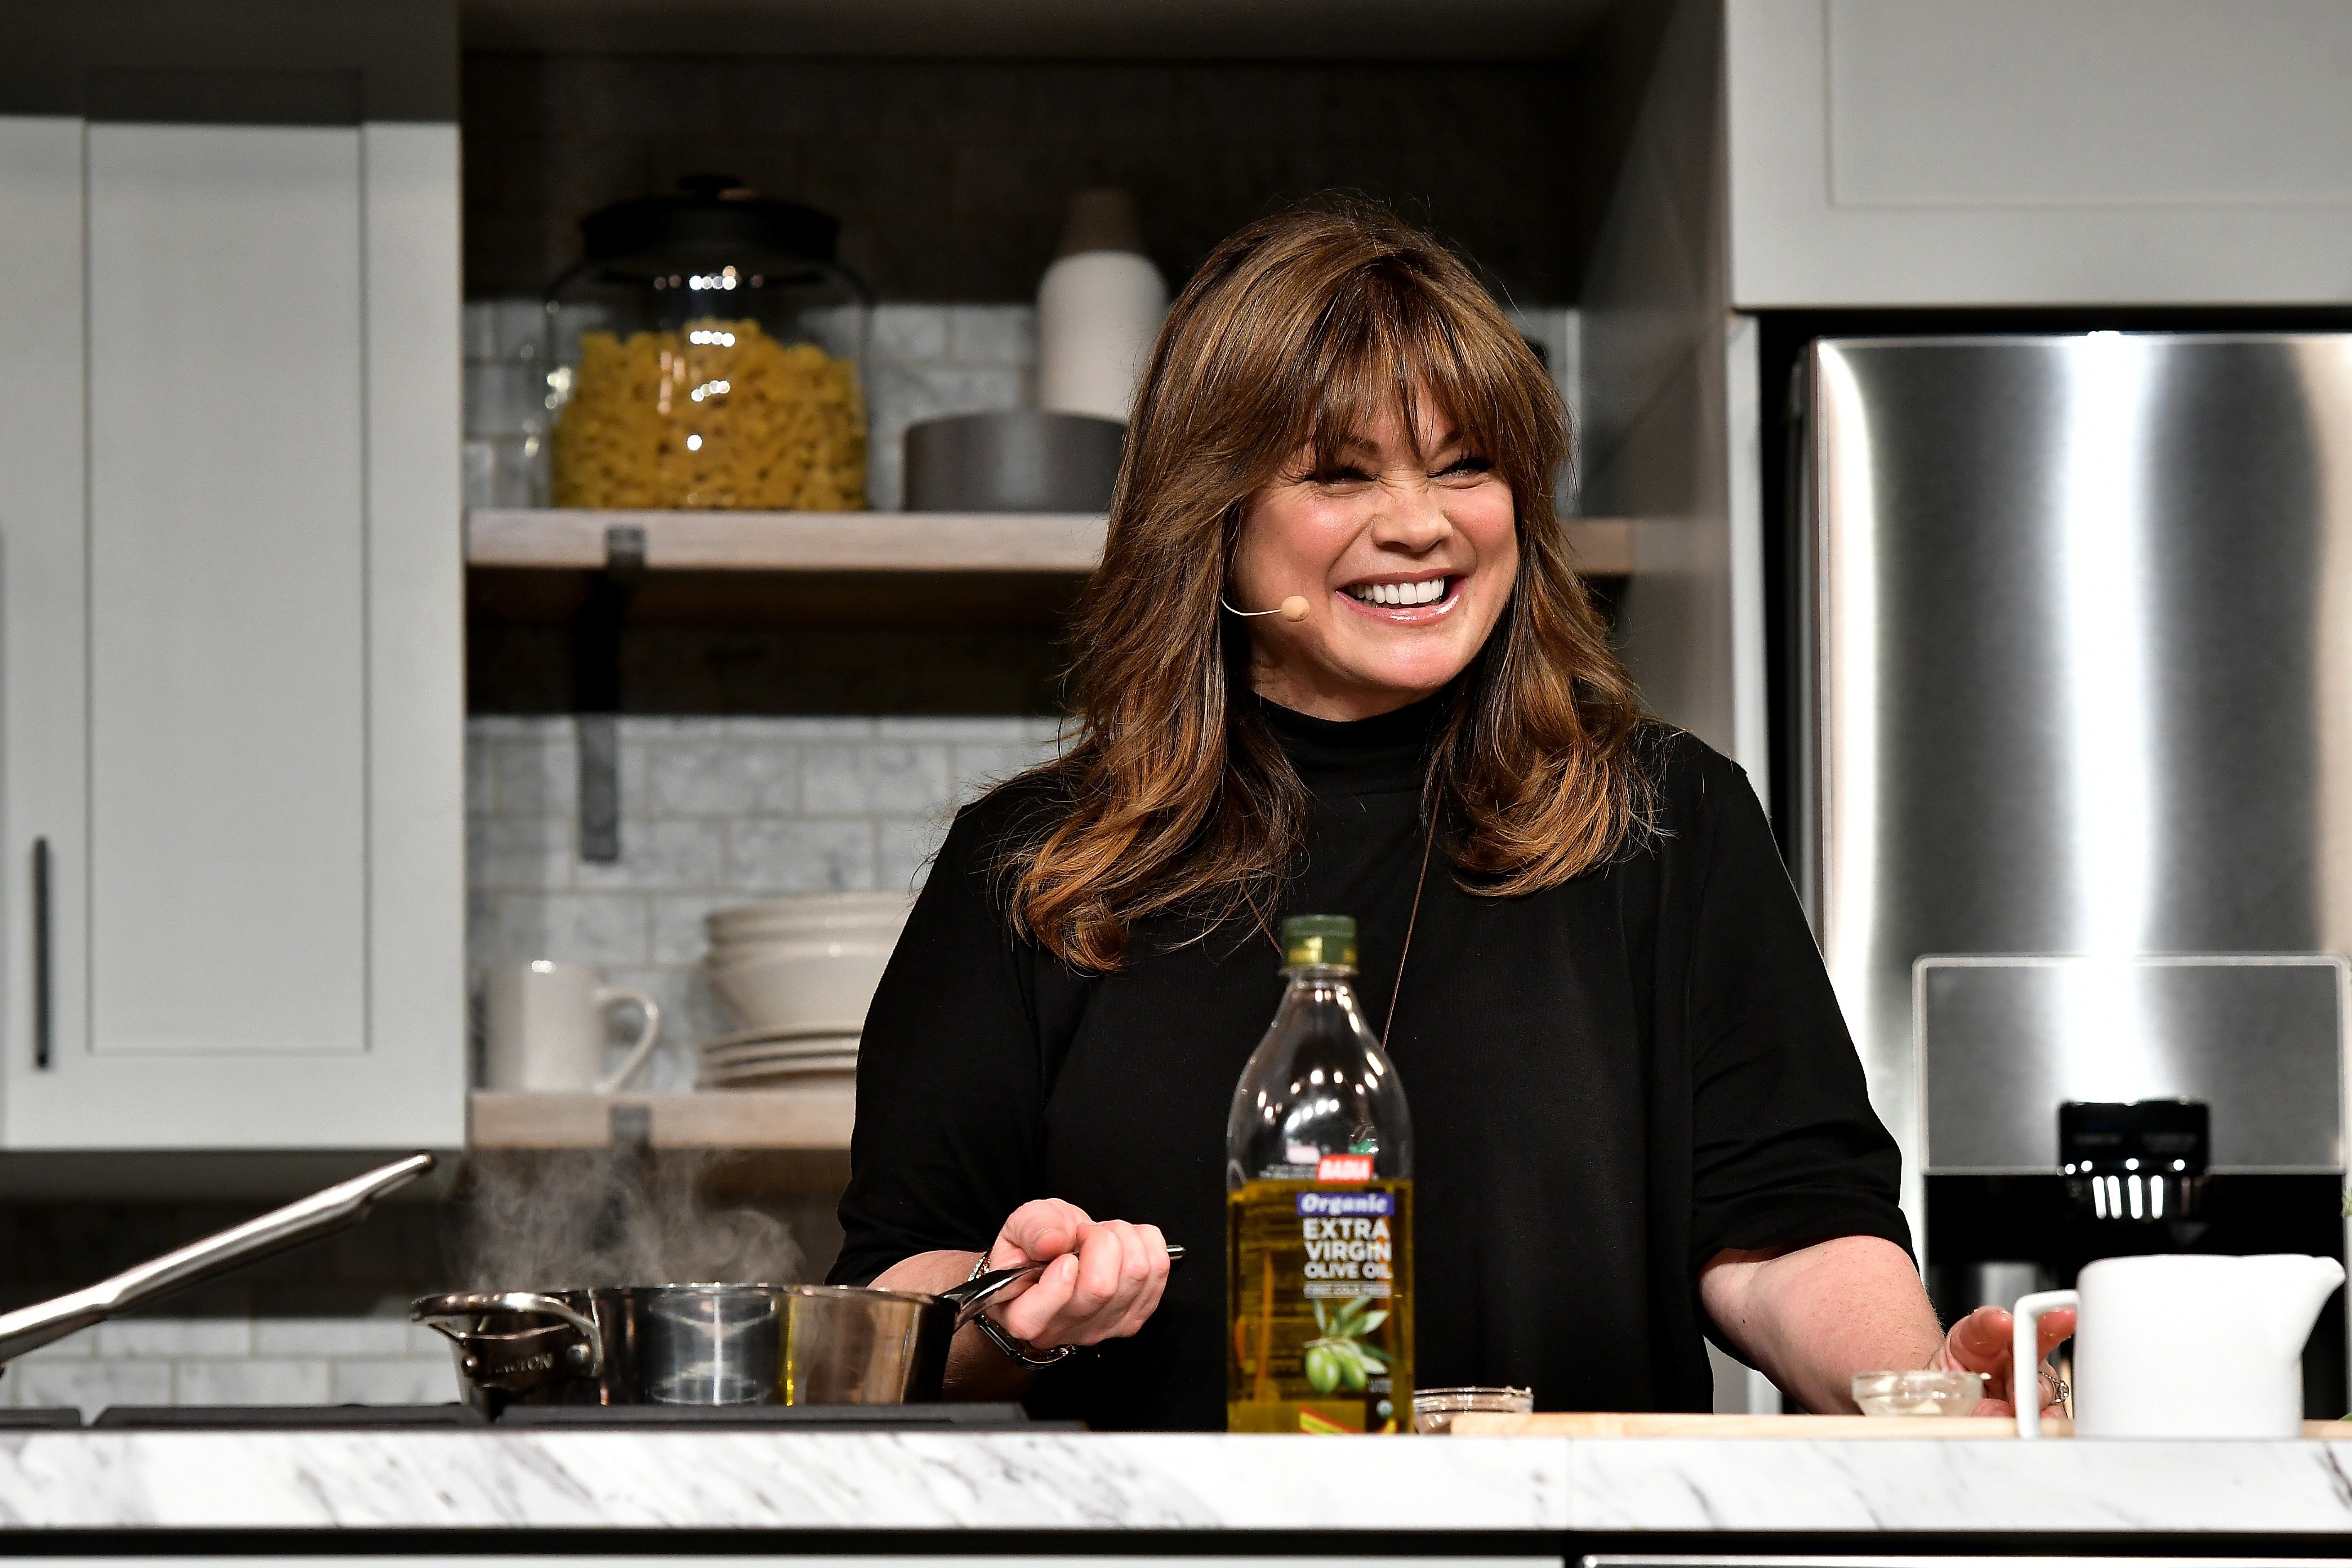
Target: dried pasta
[719,414]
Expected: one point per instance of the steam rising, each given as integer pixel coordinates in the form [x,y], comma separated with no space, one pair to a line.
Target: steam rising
[577,1219]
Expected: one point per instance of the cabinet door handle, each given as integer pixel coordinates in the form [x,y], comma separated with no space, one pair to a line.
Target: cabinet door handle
[43,998]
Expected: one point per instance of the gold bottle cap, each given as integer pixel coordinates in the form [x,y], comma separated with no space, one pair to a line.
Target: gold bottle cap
[1320,938]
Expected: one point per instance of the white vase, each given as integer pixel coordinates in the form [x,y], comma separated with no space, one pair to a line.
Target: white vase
[1099,306]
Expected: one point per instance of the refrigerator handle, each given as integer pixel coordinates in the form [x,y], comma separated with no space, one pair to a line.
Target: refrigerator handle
[1802,646]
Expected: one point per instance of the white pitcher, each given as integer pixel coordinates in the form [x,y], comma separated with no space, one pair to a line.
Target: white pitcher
[2182,1346]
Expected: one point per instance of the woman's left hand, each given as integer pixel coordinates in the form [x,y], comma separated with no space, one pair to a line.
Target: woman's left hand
[1985,1340]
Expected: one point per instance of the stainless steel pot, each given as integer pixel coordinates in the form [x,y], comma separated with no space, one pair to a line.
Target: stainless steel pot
[539,1347]
[707,1344]
[321,1214]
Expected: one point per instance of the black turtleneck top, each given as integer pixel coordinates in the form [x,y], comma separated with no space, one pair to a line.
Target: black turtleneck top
[1610,1081]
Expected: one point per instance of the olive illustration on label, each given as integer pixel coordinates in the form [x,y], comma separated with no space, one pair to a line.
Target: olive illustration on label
[1338,1358]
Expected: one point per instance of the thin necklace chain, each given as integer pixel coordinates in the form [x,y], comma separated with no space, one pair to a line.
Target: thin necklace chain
[1412,918]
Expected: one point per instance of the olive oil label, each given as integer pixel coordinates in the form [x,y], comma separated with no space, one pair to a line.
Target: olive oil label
[1319,1291]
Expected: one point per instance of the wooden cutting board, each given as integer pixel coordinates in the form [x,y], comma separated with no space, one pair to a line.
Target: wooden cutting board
[1606,1424]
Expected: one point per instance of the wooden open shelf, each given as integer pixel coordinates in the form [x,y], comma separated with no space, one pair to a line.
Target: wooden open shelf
[814,1120]
[792,541]
[559,539]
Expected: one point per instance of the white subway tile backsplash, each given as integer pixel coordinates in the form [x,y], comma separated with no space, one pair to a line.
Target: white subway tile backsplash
[903,852]
[394,1381]
[672,728]
[424,1343]
[659,854]
[505,400]
[521,329]
[901,333]
[993,334]
[873,779]
[536,776]
[486,727]
[1047,729]
[722,777]
[715,812]
[983,730]
[974,770]
[804,728]
[517,853]
[163,1338]
[679,935]
[253,1380]
[478,333]
[344,1336]
[928,392]
[800,855]
[480,790]
[89,1386]
[480,457]
[589,928]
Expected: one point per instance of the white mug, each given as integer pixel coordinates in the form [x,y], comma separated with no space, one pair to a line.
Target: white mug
[2176,1346]
[544,1027]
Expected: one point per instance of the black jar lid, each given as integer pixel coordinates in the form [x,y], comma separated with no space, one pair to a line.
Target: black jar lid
[717,221]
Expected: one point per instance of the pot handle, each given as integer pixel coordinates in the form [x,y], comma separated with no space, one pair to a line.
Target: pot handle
[439,1313]
[973,1293]
[321,1214]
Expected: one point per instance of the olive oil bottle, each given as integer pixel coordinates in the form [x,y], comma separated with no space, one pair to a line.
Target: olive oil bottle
[1318,1210]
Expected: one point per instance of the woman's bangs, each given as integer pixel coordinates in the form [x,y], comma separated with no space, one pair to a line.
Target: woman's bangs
[1395,352]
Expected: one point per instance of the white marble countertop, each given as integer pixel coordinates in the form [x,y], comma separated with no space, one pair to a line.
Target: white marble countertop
[859,1481]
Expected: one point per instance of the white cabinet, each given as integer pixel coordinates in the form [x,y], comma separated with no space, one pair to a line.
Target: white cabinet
[2039,152]
[230,638]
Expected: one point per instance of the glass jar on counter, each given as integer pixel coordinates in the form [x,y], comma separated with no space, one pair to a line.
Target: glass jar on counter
[709,353]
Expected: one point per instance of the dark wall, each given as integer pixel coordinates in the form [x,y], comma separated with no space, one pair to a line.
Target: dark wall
[951,177]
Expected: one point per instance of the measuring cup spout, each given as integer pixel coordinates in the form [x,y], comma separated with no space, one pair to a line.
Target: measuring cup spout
[2293,1290]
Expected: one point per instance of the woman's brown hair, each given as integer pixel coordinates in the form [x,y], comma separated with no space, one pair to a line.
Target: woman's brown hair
[1175,797]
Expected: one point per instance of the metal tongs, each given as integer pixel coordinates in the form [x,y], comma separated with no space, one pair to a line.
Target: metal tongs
[974,1293]
[321,1214]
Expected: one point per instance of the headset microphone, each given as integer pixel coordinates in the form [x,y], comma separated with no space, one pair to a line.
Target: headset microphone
[1293,608]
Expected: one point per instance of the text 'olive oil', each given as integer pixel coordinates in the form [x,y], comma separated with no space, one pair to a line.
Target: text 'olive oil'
[1318,1210]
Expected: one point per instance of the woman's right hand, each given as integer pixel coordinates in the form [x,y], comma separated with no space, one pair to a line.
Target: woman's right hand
[1103,1281]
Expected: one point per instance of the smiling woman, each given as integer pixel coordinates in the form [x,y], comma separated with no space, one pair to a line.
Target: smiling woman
[1335,413]
[1336,661]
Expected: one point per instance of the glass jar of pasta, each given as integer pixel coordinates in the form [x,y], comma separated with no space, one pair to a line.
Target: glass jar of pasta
[707,353]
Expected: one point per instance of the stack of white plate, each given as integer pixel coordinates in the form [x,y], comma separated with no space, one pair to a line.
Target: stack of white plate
[798,974]
[778,1058]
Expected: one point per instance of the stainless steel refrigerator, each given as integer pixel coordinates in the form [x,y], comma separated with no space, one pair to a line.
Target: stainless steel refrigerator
[2075,777]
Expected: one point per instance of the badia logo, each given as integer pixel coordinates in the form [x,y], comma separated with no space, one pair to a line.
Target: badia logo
[1344,1168]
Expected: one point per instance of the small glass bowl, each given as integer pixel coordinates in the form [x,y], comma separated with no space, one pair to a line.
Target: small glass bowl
[1434,1409]
[1919,1392]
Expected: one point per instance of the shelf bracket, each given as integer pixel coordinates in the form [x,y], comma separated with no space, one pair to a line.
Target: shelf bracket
[596,685]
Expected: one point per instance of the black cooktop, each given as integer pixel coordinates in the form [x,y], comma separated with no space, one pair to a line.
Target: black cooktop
[541,1417]
[186,1417]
